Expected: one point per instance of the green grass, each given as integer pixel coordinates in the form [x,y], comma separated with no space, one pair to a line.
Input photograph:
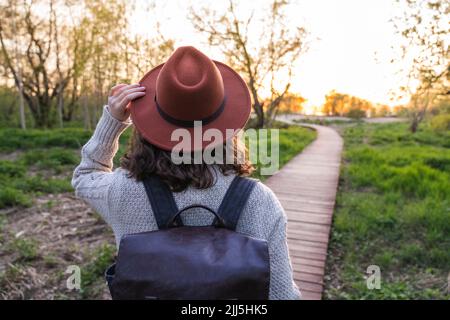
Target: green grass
[50,158]
[26,249]
[392,210]
[10,196]
[92,274]
[14,139]
[41,155]
[12,169]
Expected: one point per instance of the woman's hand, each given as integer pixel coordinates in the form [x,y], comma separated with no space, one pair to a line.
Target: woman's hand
[120,97]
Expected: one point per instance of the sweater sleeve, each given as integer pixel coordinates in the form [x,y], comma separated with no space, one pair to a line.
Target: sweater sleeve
[282,285]
[94,176]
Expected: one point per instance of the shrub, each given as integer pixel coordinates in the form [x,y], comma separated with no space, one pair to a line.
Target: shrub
[11,169]
[440,122]
[40,184]
[93,272]
[12,139]
[27,249]
[356,114]
[12,197]
[50,158]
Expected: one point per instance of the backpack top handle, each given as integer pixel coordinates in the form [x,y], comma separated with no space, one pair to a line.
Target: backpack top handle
[218,221]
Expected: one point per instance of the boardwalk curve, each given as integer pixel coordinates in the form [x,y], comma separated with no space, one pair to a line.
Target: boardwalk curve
[306,187]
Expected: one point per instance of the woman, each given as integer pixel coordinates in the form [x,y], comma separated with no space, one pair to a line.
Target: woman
[188,87]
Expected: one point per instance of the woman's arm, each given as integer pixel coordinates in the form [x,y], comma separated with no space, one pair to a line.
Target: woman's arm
[282,285]
[93,177]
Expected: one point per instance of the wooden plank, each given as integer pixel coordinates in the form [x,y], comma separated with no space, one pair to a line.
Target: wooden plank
[319,228]
[303,268]
[315,287]
[307,217]
[310,295]
[316,238]
[304,200]
[308,277]
[296,247]
[308,255]
[312,209]
[324,198]
[307,262]
[311,244]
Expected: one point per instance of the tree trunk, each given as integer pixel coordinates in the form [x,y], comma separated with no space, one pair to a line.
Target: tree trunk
[23,124]
[414,126]
[60,102]
[87,119]
[258,107]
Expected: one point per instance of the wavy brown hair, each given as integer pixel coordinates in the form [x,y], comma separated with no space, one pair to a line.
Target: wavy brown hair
[143,159]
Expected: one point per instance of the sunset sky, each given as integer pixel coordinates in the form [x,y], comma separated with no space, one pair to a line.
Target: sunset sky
[349,52]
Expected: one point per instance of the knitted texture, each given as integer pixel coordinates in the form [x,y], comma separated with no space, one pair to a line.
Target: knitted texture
[124,205]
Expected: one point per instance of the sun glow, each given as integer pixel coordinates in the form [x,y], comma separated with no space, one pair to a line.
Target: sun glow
[350,51]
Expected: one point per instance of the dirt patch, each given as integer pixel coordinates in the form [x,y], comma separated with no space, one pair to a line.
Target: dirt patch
[34,171]
[39,243]
[12,156]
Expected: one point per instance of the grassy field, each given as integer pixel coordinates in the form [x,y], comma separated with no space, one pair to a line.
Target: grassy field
[44,228]
[392,210]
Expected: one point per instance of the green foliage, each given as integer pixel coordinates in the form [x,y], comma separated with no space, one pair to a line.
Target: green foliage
[11,274]
[27,249]
[395,290]
[19,191]
[93,272]
[12,139]
[45,185]
[12,197]
[51,159]
[44,151]
[441,122]
[392,211]
[11,169]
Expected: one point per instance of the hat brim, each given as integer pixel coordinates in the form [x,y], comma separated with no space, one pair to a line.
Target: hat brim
[156,130]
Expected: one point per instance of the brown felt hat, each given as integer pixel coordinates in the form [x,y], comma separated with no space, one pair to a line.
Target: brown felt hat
[190,87]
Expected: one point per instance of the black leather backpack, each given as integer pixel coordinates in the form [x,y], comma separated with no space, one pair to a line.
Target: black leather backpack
[192,262]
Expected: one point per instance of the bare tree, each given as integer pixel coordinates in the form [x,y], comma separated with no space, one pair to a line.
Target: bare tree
[19,83]
[423,25]
[264,59]
[113,55]
[62,61]
[33,73]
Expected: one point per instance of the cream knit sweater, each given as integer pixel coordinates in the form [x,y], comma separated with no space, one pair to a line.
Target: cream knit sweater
[123,203]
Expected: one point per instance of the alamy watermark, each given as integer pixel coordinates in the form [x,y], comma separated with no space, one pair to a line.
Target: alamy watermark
[73,282]
[373,281]
[263,147]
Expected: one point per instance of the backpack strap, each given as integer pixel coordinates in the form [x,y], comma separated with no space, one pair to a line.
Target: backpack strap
[162,201]
[235,200]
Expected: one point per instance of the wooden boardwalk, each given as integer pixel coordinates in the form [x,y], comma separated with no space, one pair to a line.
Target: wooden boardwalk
[306,187]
